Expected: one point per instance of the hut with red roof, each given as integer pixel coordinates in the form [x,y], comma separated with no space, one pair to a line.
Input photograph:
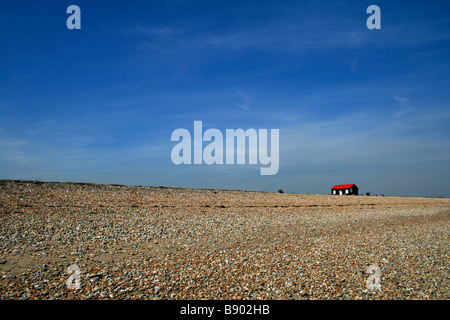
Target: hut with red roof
[345,189]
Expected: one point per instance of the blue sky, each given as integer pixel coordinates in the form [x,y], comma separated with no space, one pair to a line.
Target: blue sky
[353,105]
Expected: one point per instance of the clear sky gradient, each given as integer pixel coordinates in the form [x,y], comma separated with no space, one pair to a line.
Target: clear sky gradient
[353,105]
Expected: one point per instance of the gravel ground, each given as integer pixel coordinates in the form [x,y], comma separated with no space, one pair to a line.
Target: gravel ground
[169,243]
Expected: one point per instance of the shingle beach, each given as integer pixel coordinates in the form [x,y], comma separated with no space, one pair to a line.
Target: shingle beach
[133,242]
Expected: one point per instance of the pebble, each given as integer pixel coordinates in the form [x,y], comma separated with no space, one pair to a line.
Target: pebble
[169,243]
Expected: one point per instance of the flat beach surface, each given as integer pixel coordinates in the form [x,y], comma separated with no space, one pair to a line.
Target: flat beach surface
[169,243]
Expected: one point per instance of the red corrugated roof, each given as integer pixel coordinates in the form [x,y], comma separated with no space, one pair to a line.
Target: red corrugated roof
[342,186]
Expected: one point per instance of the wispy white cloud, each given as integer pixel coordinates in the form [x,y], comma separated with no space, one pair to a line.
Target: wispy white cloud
[12,150]
[405,106]
[279,35]
[56,149]
[359,141]
[402,100]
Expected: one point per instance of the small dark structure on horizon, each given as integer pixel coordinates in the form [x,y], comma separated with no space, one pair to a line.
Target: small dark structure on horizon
[345,189]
